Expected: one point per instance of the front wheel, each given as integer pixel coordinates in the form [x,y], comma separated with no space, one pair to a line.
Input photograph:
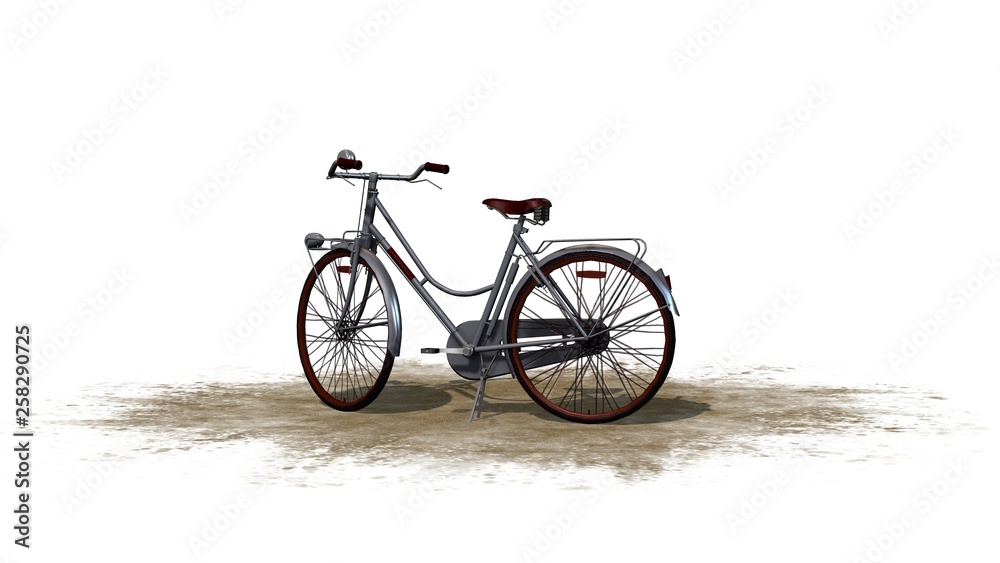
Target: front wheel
[628,332]
[343,339]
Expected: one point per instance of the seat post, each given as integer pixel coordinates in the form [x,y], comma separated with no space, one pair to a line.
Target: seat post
[519,225]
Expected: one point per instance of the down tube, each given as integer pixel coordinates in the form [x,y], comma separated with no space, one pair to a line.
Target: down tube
[421,291]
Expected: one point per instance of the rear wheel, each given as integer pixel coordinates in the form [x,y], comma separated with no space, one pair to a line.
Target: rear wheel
[629,343]
[346,360]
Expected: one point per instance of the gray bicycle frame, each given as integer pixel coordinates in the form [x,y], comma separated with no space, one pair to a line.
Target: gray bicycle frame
[369,236]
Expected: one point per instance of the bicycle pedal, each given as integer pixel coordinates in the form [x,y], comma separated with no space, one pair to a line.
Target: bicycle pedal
[430,350]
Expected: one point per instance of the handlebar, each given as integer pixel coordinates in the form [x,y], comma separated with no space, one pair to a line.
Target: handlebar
[349,164]
[439,168]
[345,163]
[353,164]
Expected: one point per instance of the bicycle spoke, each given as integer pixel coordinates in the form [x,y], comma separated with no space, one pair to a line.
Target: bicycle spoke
[625,293]
[581,303]
[549,298]
[647,361]
[329,322]
[606,393]
[627,383]
[554,378]
[630,373]
[577,382]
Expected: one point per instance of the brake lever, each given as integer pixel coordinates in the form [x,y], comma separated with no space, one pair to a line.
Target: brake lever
[426,180]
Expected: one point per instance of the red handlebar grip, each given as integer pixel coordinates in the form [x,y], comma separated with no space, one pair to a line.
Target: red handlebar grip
[439,168]
[348,164]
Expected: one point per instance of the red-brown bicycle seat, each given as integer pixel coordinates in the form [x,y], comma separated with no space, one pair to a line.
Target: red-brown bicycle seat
[512,207]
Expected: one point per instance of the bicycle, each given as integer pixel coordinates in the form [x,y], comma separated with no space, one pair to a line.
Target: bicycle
[588,330]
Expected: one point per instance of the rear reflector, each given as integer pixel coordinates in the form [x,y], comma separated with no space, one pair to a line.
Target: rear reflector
[669,285]
[590,274]
[344,269]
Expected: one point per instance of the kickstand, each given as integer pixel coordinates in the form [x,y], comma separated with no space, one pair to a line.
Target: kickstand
[477,403]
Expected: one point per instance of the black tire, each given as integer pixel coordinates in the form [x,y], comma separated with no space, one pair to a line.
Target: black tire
[347,368]
[620,366]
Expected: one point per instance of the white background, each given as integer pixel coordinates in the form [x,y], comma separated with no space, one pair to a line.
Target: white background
[557,81]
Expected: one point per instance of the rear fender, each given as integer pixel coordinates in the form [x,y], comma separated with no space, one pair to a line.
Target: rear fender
[659,279]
